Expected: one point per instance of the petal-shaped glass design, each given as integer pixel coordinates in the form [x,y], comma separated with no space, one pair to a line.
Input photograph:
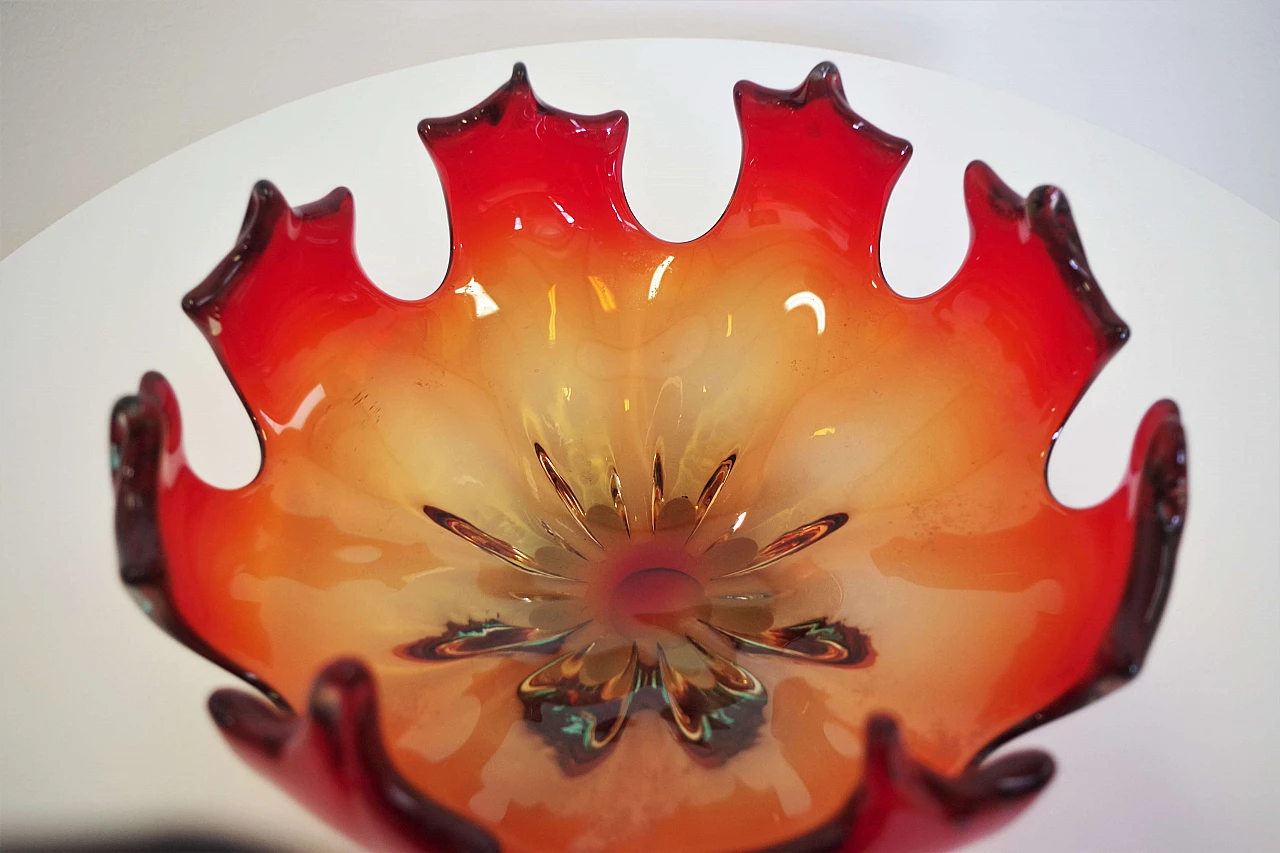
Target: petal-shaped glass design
[654,546]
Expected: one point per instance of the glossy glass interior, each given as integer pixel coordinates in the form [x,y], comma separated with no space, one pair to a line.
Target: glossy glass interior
[634,535]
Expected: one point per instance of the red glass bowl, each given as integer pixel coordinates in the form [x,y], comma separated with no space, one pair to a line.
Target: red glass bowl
[618,544]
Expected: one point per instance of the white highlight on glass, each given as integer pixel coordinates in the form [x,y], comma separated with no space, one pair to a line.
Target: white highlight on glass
[656,281]
[300,416]
[484,302]
[563,212]
[809,299]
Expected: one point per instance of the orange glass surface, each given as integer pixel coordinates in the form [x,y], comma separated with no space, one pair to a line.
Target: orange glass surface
[636,537]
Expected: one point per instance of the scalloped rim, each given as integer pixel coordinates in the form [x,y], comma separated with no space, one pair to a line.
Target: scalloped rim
[1158,491]
[953,810]
[823,83]
[491,110]
[141,423]
[337,748]
[139,431]
[266,207]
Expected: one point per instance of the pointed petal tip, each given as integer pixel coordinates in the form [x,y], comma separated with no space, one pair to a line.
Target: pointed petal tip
[990,786]
[490,111]
[337,203]
[153,403]
[250,723]
[1165,463]
[266,204]
[154,386]
[266,207]
[882,735]
[903,805]
[982,785]
[1050,218]
[139,431]
[1046,214]
[822,84]
[519,76]
[334,762]
[998,789]
[264,192]
[1154,497]
[514,96]
[143,428]
[1160,436]
[1158,491]
[1049,213]
[983,187]
[824,81]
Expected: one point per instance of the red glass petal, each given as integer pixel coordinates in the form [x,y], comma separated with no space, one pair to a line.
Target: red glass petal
[333,761]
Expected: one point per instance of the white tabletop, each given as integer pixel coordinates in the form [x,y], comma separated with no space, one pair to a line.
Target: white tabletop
[103,716]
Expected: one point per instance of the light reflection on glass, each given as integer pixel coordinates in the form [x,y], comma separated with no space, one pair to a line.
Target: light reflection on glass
[484,302]
[809,299]
[301,414]
[603,294]
[551,321]
[563,212]
[656,281]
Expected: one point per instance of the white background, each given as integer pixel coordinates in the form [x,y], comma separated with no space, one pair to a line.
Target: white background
[92,91]
[103,724]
